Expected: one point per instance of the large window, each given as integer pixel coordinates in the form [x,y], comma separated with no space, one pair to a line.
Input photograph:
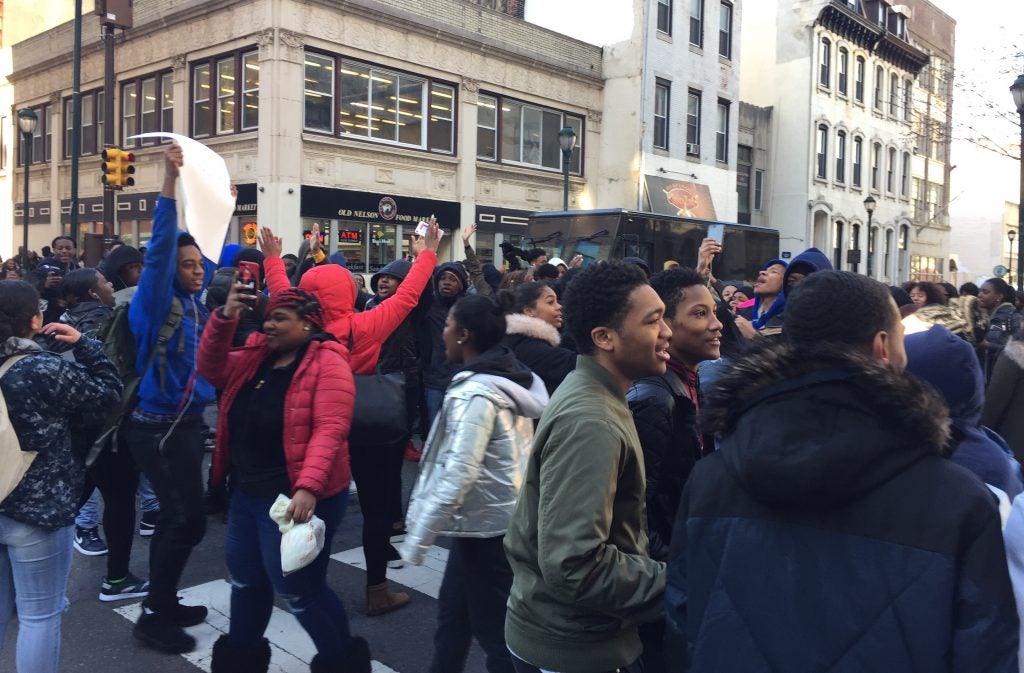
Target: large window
[905,175]
[42,138]
[844,67]
[528,134]
[226,94]
[858,83]
[894,94]
[697,22]
[821,168]
[722,133]
[725,30]
[858,160]
[665,16]
[908,99]
[744,168]
[876,165]
[840,156]
[360,100]
[879,84]
[890,173]
[662,94]
[758,189]
[91,135]
[147,106]
[825,62]
[693,122]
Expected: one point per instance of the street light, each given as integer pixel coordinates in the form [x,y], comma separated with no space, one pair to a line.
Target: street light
[27,120]
[1018,99]
[1011,234]
[567,141]
[869,205]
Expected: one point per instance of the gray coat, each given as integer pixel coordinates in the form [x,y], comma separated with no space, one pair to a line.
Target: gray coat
[1004,398]
[474,460]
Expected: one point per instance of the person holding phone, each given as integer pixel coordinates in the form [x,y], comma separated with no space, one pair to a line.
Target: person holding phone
[283,424]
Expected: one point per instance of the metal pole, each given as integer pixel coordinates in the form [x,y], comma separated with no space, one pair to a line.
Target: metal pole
[1020,212]
[26,143]
[76,118]
[565,179]
[108,123]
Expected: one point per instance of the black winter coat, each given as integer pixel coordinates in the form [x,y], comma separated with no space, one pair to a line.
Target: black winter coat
[437,371]
[536,344]
[666,423]
[830,532]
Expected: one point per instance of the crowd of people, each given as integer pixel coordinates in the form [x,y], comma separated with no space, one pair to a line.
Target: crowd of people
[637,472]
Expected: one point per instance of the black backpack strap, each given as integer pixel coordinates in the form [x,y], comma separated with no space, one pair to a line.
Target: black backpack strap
[167,330]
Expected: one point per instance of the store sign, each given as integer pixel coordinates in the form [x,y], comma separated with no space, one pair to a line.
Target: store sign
[680,198]
[346,204]
[245,204]
[350,236]
[249,233]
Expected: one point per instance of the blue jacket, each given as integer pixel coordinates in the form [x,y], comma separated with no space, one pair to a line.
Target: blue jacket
[949,364]
[148,312]
[829,532]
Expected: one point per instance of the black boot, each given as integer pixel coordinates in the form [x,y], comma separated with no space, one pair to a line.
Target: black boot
[230,657]
[356,660]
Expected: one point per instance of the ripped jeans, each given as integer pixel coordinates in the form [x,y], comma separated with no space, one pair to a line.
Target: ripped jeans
[253,549]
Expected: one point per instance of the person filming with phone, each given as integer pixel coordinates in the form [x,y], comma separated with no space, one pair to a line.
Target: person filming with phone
[283,425]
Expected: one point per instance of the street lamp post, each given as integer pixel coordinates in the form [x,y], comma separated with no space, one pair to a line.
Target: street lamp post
[567,141]
[27,120]
[869,205]
[1011,234]
[1018,99]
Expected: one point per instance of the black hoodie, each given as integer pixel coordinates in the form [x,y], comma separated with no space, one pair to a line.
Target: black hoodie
[500,361]
[437,371]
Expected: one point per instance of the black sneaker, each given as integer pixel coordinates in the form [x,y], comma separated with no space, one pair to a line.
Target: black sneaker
[129,587]
[89,542]
[159,632]
[188,615]
[148,524]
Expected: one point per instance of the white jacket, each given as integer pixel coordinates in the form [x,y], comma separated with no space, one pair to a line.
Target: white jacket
[474,460]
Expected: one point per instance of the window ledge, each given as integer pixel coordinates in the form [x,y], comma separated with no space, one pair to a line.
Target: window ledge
[695,158]
[664,37]
[842,96]
[725,60]
[520,170]
[820,180]
[696,49]
[858,103]
[660,151]
[824,89]
[219,140]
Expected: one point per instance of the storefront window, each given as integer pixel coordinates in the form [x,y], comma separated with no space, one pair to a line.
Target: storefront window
[485,246]
[382,246]
[126,233]
[145,232]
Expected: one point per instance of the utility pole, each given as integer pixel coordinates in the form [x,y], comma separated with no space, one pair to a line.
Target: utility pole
[109,122]
[76,119]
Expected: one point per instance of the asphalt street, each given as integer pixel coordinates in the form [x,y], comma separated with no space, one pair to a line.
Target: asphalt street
[97,637]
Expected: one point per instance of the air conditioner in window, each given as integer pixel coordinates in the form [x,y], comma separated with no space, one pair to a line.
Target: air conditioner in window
[693,148]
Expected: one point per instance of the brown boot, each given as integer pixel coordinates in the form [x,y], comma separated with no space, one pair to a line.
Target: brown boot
[381,600]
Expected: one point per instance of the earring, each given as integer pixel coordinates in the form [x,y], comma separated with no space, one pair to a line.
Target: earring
[459,342]
[306,328]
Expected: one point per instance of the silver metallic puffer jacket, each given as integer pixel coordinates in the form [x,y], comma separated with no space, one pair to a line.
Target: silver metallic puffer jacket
[474,460]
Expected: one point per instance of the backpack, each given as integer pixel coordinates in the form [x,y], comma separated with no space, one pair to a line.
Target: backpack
[14,462]
[119,345]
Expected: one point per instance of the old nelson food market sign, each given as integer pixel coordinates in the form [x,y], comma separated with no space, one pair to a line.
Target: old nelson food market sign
[324,202]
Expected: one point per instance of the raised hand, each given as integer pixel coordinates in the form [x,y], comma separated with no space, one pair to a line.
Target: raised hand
[467,233]
[270,244]
[314,241]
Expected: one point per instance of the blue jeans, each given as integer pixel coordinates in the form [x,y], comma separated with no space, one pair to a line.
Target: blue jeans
[148,502]
[89,513]
[34,568]
[253,550]
[434,399]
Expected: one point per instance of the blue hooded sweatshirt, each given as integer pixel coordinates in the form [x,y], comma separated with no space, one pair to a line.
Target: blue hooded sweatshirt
[778,306]
[183,388]
[949,364]
[807,262]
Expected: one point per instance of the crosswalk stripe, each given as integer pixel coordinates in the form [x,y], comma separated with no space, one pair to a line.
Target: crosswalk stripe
[425,578]
[291,649]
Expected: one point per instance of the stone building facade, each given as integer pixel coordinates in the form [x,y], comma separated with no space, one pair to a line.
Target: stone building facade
[842,79]
[361,116]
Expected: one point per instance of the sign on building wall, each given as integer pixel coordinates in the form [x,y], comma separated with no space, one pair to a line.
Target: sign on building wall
[679,198]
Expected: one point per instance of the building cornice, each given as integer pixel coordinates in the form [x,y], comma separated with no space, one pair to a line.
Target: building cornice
[839,18]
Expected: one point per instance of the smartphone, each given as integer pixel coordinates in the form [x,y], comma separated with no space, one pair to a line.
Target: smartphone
[421,228]
[717,232]
[249,274]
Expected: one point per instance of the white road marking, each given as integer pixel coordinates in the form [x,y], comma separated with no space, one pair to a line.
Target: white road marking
[290,647]
[425,578]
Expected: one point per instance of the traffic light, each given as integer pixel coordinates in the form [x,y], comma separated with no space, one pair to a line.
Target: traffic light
[117,168]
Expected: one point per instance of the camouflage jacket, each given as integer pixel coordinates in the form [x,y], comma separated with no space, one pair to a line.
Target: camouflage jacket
[43,393]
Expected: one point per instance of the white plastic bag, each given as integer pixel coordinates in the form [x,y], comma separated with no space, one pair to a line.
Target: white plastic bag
[300,542]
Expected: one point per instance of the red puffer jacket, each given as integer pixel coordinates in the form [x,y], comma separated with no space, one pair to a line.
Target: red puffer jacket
[318,405]
[334,286]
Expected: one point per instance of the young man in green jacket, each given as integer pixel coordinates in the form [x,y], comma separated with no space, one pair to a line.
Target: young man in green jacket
[577,542]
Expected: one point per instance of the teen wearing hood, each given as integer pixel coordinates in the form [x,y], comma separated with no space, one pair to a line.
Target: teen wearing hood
[450,284]
[123,268]
[164,430]
[473,467]
[949,364]
[534,318]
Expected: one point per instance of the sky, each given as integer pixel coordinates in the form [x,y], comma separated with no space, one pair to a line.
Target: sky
[989,46]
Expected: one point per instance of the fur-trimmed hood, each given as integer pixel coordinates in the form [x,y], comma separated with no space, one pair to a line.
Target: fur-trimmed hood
[1014,350]
[535,328]
[819,429]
